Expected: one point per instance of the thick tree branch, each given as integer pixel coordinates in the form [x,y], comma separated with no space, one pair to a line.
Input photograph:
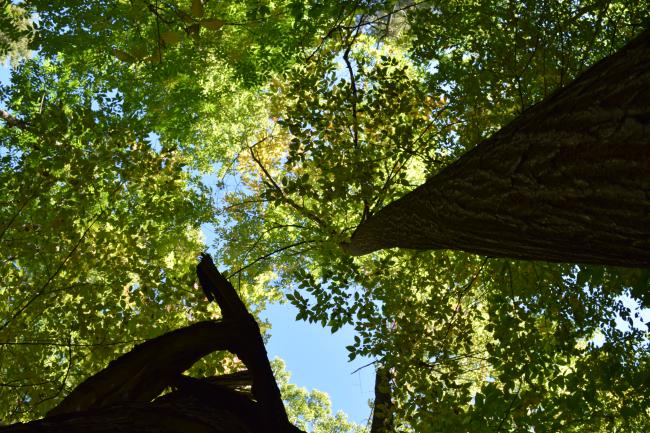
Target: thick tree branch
[249,348]
[144,372]
[217,288]
[237,379]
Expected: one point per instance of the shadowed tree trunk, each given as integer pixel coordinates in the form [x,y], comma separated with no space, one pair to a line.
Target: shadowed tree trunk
[382,412]
[125,396]
[567,181]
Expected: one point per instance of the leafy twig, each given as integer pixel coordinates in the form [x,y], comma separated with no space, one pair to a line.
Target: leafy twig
[285,198]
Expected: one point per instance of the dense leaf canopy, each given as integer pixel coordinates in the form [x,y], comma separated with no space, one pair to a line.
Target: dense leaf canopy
[311,116]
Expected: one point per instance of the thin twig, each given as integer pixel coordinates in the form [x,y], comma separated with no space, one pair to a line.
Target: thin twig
[399,164]
[65,376]
[353,85]
[61,344]
[462,293]
[364,366]
[507,414]
[335,28]
[15,215]
[51,278]
[305,212]
[266,256]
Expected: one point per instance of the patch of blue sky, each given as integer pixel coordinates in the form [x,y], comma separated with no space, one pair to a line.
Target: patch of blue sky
[318,359]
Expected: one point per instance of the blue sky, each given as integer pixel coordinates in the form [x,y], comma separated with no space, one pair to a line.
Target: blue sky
[318,359]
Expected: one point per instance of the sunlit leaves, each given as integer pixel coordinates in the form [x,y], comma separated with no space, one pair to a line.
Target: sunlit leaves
[16,31]
[99,233]
[498,58]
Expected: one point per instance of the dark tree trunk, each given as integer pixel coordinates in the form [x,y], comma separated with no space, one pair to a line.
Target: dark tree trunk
[383,410]
[567,181]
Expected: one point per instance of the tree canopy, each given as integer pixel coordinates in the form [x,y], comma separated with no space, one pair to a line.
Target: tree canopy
[282,126]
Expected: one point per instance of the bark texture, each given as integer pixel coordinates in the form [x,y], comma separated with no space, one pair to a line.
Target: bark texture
[567,181]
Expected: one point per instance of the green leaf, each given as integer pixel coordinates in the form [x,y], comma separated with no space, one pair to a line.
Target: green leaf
[123,56]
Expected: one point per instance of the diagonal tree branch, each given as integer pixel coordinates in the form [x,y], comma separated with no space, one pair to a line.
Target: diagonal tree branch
[250,348]
[12,121]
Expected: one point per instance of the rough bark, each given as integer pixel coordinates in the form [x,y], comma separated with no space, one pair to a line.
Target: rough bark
[122,397]
[143,373]
[567,181]
[250,348]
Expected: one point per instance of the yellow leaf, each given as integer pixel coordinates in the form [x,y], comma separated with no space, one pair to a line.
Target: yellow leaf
[212,24]
[197,8]
[171,38]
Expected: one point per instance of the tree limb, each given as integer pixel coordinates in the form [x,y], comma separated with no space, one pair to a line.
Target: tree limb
[250,349]
[143,373]
[130,383]
[12,121]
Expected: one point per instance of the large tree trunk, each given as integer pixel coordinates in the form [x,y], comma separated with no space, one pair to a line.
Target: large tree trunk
[567,181]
